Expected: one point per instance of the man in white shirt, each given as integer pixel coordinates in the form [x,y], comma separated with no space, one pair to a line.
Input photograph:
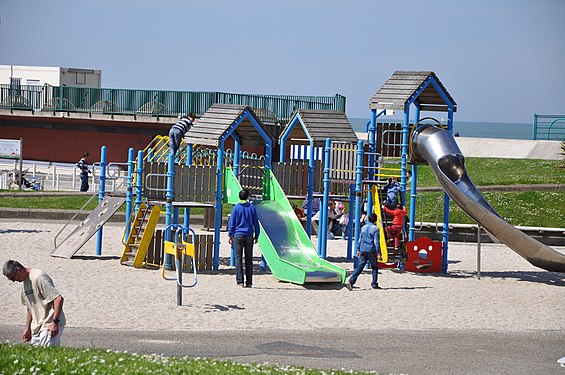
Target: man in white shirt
[45,319]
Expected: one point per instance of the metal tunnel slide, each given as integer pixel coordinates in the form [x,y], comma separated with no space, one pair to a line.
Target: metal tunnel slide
[286,247]
[438,148]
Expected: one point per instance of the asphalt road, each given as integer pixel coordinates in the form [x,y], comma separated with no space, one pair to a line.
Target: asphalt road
[398,352]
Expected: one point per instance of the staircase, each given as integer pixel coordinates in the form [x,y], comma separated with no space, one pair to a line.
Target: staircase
[140,235]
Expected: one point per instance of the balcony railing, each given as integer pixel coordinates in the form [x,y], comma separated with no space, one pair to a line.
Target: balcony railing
[269,108]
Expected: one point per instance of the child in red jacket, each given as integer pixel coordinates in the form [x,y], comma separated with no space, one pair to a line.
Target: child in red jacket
[395,228]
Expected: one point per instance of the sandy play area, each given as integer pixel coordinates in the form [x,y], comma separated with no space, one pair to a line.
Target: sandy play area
[511,295]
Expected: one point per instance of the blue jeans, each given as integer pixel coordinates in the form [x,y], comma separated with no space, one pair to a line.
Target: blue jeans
[363,259]
[175,139]
[243,246]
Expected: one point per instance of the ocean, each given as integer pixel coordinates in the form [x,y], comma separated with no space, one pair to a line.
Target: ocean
[473,129]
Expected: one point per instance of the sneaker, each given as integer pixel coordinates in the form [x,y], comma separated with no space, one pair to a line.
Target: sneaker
[248,286]
[376,286]
[240,285]
[349,286]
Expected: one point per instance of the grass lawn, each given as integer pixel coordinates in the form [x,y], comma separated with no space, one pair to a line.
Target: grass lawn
[532,208]
[27,359]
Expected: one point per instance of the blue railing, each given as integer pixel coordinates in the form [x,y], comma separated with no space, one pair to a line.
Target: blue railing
[549,127]
[270,108]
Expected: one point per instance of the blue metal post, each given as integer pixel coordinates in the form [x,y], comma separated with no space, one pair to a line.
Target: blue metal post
[323,227]
[101,193]
[189,151]
[139,182]
[413,189]
[446,204]
[371,161]
[169,195]
[358,193]
[350,225]
[311,168]
[129,191]
[404,154]
[412,214]
[535,127]
[236,157]
[236,160]
[218,221]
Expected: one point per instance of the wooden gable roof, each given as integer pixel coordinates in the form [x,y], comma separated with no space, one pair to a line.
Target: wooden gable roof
[402,85]
[209,129]
[320,124]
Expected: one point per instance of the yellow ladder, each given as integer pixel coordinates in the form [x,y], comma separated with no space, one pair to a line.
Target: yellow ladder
[379,224]
[140,235]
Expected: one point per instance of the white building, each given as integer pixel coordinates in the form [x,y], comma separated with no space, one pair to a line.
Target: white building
[44,75]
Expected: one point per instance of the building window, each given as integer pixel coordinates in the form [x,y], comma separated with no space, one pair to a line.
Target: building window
[33,82]
[81,78]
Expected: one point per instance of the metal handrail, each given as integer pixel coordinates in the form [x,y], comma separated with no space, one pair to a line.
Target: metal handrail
[151,188]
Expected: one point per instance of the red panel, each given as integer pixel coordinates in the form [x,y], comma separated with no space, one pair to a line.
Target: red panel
[424,255]
[67,146]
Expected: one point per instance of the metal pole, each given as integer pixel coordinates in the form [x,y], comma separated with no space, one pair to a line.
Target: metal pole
[179,275]
[323,223]
[101,194]
[169,194]
[358,202]
[479,229]
[218,205]
[129,191]
[21,163]
[139,184]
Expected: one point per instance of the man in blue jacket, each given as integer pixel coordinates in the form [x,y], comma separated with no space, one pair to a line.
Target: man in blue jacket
[368,250]
[243,232]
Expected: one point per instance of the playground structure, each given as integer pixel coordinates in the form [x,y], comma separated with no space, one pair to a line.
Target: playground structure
[229,148]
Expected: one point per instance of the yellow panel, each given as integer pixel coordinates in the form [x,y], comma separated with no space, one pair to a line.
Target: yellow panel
[188,249]
[379,224]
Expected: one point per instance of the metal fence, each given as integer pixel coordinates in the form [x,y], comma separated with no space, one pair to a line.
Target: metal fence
[269,108]
[51,177]
[549,127]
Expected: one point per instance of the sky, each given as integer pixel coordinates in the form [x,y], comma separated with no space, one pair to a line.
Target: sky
[501,61]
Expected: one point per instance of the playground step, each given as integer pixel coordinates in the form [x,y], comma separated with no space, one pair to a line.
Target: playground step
[140,235]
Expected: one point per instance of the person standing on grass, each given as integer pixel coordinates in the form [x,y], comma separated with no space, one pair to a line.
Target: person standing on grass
[82,164]
[243,232]
[45,319]
[368,250]
[178,130]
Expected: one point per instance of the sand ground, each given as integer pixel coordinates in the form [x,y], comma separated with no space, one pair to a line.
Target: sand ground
[511,296]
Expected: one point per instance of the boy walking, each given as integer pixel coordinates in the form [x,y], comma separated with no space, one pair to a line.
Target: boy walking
[368,250]
[243,232]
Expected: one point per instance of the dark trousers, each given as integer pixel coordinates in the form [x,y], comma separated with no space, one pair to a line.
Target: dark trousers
[363,259]
[83,182]
[243,245]
[175,139]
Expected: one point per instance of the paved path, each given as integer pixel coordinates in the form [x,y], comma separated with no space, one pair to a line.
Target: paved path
[407,352]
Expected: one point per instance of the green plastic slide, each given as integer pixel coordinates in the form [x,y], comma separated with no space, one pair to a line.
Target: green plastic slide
[286,247]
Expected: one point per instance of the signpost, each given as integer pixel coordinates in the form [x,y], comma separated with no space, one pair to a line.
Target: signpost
[12,149]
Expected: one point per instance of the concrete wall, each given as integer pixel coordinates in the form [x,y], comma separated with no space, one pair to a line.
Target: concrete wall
[81,77]
[505,148]
[30,75]
[54,76]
